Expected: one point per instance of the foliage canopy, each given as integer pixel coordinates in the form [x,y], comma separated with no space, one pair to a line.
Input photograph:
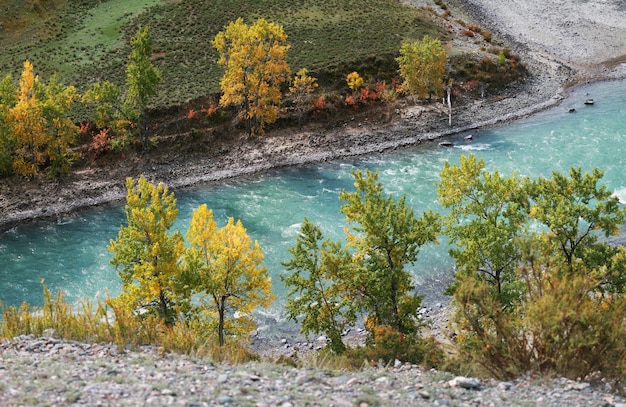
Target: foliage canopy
[422,67]
[533,276]
[331,285]
[225,268]
[254,59]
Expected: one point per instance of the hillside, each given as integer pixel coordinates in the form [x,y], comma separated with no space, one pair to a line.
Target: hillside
[86,41]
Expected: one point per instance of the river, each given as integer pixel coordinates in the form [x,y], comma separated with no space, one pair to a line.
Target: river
[71,255]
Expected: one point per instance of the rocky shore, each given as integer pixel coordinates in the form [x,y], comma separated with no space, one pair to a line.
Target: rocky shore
[51,372]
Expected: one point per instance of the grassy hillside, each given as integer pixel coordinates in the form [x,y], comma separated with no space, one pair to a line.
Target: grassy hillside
[87,40]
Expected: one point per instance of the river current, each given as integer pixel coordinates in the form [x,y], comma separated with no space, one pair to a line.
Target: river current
[70,254]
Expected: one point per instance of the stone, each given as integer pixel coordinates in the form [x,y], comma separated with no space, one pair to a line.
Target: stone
[424,394]
[465,382]
[505,385]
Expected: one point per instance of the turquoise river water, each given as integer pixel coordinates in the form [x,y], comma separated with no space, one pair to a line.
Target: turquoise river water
[71,254]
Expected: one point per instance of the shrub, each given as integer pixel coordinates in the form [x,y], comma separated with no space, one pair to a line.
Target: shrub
[101,142]
[390,345]
[354,81]
[535,288]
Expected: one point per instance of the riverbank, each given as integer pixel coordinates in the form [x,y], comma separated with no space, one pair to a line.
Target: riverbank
[104,180]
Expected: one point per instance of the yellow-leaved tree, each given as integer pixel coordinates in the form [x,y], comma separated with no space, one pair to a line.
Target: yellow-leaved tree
[225,268]
[41,129]
[254,58]
[146,255]
[300,90]
[422,66]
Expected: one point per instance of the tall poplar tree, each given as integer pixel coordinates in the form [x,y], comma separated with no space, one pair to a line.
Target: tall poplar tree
[254,59]
[8,98]
[386,237]
[142,80]
[125,111]
[145,253]
[225,267]
[39,124]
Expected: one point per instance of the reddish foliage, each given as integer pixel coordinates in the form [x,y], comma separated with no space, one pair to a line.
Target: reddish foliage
[350,101]
[468,33]
[367,96]
[100,143]
[319,104]
[469,85]
[210,111]
[191,114]
[84,128]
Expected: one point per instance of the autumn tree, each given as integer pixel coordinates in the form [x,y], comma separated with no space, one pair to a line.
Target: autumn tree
[39,124]
[146,254]
[422,67]
[225,268]
[254,59]
[300,90]
[317,299]
[124,110]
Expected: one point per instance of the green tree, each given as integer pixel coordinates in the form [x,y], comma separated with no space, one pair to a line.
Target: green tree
[8,99]
[145,253]
[125,111]
[574,210]
[422,67]
[254,59]
[532,275]
[331,285]
[300,90]
[317,298]
[485,220]
[386,237]
[142,80]
[223,265]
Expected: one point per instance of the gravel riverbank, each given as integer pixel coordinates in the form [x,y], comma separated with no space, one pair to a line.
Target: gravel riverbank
[51,372]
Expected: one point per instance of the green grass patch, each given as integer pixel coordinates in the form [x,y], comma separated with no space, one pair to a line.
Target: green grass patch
[87,40]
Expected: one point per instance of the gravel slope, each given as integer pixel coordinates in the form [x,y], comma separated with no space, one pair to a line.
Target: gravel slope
[51,372]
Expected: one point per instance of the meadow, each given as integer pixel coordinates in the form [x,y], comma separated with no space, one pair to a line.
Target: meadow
[86,41]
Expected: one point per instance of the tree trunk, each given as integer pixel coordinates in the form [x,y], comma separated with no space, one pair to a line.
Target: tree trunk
[220,328]
[448,91]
